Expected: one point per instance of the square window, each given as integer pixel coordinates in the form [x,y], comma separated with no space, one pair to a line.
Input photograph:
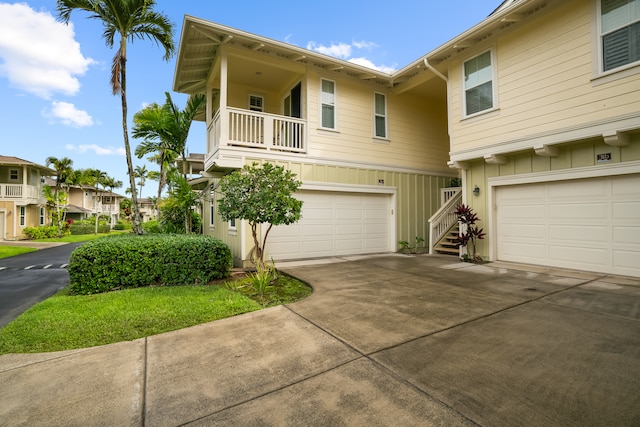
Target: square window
[620,33]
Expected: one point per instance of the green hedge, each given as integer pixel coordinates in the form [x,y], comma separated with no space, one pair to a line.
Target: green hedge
[43,232]
[131,261]
[77,229]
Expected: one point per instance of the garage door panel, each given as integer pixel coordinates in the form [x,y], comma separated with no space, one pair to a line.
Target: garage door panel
[579,233]
[529,211]
[336,224]
[591,224]
[576,212]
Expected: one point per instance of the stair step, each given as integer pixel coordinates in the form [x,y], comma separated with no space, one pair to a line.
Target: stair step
[442,249]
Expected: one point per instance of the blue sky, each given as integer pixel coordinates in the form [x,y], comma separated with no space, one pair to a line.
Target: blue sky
[54,79]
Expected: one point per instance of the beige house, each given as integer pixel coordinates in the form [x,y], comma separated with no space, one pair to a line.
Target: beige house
[536,108]
[544,120]
[370,148]
[22,202]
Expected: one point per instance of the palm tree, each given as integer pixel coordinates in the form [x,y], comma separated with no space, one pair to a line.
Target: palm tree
[129,19]
[64,173]
[165,130]
[141,173]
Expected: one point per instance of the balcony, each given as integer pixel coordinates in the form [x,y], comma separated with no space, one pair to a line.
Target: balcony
[235,127]
[24,193]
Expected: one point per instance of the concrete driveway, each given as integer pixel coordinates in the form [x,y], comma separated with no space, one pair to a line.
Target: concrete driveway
[390,340]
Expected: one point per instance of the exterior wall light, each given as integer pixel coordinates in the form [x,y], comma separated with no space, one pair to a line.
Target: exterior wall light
[476,190]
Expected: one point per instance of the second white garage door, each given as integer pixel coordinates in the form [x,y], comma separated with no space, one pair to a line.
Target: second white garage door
[587,224]
[335,224]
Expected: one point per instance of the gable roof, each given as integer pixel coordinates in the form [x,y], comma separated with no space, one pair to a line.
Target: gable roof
[16,161]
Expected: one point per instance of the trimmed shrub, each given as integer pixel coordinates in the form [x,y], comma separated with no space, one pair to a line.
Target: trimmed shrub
[42,232]
[151,226]
[131,261]
[122,225]
[89,228]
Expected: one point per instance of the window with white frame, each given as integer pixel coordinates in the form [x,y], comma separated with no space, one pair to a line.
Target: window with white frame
[256,103]
[42,215]
[13,174]
[23,215]
[212,207]
[620,32]
[380,115]
[328,104]
[232,225]
[478,84]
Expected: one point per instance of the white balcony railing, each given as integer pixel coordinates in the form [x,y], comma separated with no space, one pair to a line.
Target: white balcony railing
[19,191]
[244,128]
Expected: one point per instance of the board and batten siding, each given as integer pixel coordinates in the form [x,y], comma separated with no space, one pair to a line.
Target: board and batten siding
[544,83]
[416,129]
[417,198]
[578,155]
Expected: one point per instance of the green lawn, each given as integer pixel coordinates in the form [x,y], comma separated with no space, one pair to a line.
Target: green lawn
[7,251]
[65,322]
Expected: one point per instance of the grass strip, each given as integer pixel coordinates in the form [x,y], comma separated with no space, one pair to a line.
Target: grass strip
[7,251]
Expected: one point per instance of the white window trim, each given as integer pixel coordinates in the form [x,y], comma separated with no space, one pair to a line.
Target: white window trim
[385,116]
[335,105]
[233,226]
[23,216]
[597,52]
[253,95]
[17,174]
[494,86]
[42,215]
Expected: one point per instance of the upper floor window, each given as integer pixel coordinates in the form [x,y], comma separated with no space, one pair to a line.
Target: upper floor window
[380,115]
[478,84]
[620,26]
[256,103]
[13,174]
[328,101]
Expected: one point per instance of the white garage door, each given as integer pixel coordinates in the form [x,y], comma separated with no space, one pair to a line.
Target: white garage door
[333,224]
[587,224]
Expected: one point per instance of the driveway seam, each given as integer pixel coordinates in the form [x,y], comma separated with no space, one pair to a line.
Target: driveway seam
[379,365]
[143,410]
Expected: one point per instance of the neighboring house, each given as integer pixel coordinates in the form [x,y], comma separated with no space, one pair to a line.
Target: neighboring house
[84,201]
[148,210]
[370,148]
[22,202]
[544,120]
[537,108]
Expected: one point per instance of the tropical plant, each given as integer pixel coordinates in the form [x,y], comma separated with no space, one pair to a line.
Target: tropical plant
[64,174]
[469,232]
[142,174]
[130,19]
[260,194]
[178,206]
[164,129]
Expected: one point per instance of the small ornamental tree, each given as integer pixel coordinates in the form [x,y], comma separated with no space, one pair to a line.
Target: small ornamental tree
[469,233]
[260,194]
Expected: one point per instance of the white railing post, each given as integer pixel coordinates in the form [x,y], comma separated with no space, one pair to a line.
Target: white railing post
[444,218]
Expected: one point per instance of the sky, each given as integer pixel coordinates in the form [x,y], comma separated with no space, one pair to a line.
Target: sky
[55,94]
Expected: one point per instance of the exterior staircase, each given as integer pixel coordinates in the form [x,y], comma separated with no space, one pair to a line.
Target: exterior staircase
[447,244]
[443,225]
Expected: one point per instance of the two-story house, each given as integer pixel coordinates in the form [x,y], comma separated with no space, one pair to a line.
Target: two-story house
[544,121]
[537,108]
[87,201]
[370,148]
[22,202]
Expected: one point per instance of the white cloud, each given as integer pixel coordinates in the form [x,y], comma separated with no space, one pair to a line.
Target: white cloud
[98,150]
[340,50]
[68,115]
[345,51]
[367,63]
[39,54]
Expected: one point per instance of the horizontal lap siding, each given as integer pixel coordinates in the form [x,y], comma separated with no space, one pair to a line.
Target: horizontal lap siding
[544,83]
[417,129]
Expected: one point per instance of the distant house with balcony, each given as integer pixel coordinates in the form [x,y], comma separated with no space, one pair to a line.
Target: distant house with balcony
[22,202]
[84,201]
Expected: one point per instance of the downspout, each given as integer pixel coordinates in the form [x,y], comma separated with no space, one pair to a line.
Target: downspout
[436,72]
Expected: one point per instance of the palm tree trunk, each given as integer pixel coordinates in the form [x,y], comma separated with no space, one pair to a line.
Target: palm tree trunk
[136,226]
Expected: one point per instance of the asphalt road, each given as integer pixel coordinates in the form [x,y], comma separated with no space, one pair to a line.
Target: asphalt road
[30,278]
